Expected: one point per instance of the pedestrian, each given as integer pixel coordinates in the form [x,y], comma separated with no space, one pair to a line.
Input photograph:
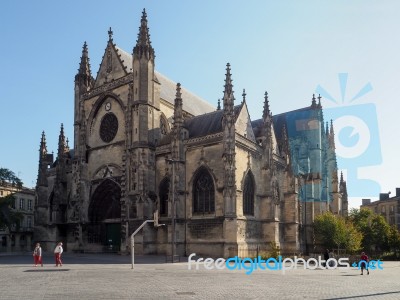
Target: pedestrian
[364,263]
[326,257]
[57,253]
[37,255]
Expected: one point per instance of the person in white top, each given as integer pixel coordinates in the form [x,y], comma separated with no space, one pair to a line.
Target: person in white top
[57,252]
[37,255]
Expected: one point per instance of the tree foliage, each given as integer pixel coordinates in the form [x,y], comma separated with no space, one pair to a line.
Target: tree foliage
[8,217]
[8,177]
[394,240]
[374,228]
[335,232]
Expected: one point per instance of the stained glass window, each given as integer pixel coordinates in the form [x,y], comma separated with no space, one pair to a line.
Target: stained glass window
[248,194]
[203,192]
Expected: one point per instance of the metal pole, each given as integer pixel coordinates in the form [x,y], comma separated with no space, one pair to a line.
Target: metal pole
[133,240]
[133,250]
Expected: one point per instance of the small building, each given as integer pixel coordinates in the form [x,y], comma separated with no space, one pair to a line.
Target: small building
[19,236]
[388,207]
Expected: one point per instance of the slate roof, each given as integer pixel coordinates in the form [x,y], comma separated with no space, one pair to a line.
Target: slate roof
[208,123]
[278,121]
[192,103]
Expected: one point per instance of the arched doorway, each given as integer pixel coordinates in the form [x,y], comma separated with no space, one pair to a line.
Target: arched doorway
[105,216]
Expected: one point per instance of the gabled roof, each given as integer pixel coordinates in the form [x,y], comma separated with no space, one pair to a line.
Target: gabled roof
[192,103]
[118,69]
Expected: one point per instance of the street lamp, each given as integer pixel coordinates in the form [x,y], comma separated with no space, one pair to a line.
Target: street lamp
[173,208]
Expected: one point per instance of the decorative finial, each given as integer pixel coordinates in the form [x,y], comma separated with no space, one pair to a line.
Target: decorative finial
[228,92]
[143,45]
[319,100]
[244,95]
[219,104]
[313,102]
[266,111]
[178,90]
[110,34]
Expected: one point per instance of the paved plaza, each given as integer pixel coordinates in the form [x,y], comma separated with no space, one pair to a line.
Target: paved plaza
[109,276]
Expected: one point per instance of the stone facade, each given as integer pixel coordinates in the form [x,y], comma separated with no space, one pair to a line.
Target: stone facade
[386,206]
[19,236]
[143,143]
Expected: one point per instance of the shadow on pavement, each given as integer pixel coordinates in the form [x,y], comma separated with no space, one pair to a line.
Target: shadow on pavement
[71,258]
[47,270]
[363,296]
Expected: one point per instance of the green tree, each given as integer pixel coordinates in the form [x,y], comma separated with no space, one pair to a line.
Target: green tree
[325,228]
[374,228]
[394,240]
[336,232]
[361,219]
[353,238]
[8,177]
[380,232]
[8,216]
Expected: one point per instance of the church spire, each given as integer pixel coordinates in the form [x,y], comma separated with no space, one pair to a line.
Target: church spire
[43,147]
[178,116]
[313,102]
[61,143]
[143,45]
[266,111]
[228,91]
[228,125]
[244,96]
[84,75]
[110,35]
[331,136]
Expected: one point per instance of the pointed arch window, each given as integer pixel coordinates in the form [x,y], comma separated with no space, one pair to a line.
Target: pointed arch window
[248,194]
[163,193]
[203,192]
[163,125]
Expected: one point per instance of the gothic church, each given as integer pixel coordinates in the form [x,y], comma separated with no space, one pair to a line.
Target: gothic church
[222,184]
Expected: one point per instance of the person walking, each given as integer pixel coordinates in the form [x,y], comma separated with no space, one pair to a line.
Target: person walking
[57,253]
[364,263]
[326,257]
[37,255]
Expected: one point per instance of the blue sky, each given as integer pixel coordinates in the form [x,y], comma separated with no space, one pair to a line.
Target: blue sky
[288,48]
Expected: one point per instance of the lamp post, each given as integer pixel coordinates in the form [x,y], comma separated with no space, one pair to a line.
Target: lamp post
[173,208]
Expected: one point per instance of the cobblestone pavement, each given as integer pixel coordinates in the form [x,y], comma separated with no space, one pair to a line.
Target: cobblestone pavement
[89,276]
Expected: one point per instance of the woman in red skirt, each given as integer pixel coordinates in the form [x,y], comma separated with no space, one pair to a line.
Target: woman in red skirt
[37,255]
